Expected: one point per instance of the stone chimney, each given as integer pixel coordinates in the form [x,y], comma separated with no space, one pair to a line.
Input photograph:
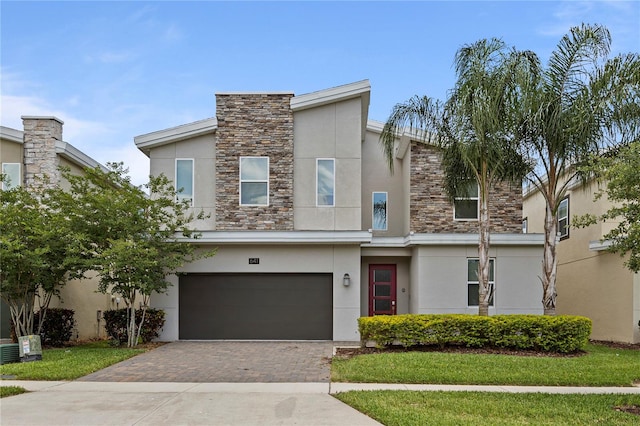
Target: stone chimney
[39,143]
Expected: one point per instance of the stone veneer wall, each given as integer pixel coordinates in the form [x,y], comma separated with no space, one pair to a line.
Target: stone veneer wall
[39,144]
[431,210]
[257,125]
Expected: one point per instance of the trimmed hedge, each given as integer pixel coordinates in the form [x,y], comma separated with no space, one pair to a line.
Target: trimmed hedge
[57,327]
[116,324]
[564,333]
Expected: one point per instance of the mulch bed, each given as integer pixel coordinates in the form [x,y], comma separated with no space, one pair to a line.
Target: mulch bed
[345,353]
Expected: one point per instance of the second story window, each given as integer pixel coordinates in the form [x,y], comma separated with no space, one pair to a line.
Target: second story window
[325,182]
[380,211]
[563,219]
[12,177]
[184,179]
[466,206]
[254,181]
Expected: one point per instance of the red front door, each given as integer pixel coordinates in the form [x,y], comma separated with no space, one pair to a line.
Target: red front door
[382,290]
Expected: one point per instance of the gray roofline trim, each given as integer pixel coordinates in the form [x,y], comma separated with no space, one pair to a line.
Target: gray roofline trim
[254,93]
[12,135]
[174,134]
[455,240]
[280,237]
[76,156]
[332,95]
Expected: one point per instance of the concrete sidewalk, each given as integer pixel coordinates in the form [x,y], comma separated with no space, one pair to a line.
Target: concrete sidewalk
[174,403]
[163,403]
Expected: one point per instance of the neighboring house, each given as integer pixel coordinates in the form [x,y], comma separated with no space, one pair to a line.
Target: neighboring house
[590,280]
[33,153]
[312,229]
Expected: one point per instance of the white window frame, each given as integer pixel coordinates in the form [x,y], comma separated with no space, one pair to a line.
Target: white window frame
[241,181]
[476,198]
[333,182]
[373,211]
[12,184]
[565,235]
[492,283]
[182,196]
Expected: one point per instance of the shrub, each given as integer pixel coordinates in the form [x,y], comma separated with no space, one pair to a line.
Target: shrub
[57,327]
[534,332]
[116,324]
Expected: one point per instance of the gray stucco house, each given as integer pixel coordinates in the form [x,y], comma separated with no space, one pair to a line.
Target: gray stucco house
[312,229]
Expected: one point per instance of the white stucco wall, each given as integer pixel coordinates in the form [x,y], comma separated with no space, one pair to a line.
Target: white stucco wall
[439,279]
[202,150]
[328,131]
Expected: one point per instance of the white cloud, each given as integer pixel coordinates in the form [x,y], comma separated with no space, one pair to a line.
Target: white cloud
[620,17]
[91,137]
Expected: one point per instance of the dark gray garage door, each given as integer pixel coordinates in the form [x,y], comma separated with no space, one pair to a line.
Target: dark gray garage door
[256,306]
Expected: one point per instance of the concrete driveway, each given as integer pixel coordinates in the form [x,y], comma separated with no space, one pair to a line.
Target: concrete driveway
[225,362]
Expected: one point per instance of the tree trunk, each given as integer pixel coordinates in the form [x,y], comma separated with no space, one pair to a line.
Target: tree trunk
[549,262]
[483,257]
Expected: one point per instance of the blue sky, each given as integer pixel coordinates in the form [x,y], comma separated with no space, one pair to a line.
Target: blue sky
[115,70]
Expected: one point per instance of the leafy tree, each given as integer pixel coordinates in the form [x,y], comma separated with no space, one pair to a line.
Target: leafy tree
[473,128]
[575,106]
[133,240]
[38,254]
[620,170]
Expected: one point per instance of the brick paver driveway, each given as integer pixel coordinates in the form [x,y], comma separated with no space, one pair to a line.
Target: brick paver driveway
[224,361]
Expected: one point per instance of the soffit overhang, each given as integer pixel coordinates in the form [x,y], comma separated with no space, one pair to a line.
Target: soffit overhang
[448,239]
[158,138]
[280,237]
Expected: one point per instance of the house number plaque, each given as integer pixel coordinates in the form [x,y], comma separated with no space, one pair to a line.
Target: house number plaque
[254,261]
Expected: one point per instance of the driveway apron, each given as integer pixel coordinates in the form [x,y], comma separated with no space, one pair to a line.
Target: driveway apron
[225,362]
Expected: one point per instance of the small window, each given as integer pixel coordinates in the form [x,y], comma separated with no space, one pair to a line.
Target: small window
[184,180]
[473,284]
[254,181]
[11,172]
[525,225]
[563,219]
[465,206]
[380,211]
[325,182]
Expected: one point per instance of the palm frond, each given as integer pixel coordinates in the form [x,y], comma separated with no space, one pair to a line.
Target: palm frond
[419,115]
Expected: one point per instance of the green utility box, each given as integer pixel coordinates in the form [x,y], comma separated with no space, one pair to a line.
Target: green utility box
[30,348]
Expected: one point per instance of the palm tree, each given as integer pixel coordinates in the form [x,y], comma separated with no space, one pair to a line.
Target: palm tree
[473,128]
[574,107]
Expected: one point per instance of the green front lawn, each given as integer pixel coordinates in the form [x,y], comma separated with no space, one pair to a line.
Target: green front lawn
[69,363]
[600,366]
[396,408]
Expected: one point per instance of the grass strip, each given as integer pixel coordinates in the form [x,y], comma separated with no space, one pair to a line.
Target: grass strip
[402,408]
[10,391]
[69,363]
[600,366]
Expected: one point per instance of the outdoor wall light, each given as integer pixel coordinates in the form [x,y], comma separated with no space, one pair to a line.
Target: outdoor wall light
[346,280]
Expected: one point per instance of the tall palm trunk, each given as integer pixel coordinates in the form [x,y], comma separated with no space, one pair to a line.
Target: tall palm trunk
[549,262]
[483,254]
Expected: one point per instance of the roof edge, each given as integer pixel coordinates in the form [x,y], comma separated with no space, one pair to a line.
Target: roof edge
[174,134]
[331,95]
